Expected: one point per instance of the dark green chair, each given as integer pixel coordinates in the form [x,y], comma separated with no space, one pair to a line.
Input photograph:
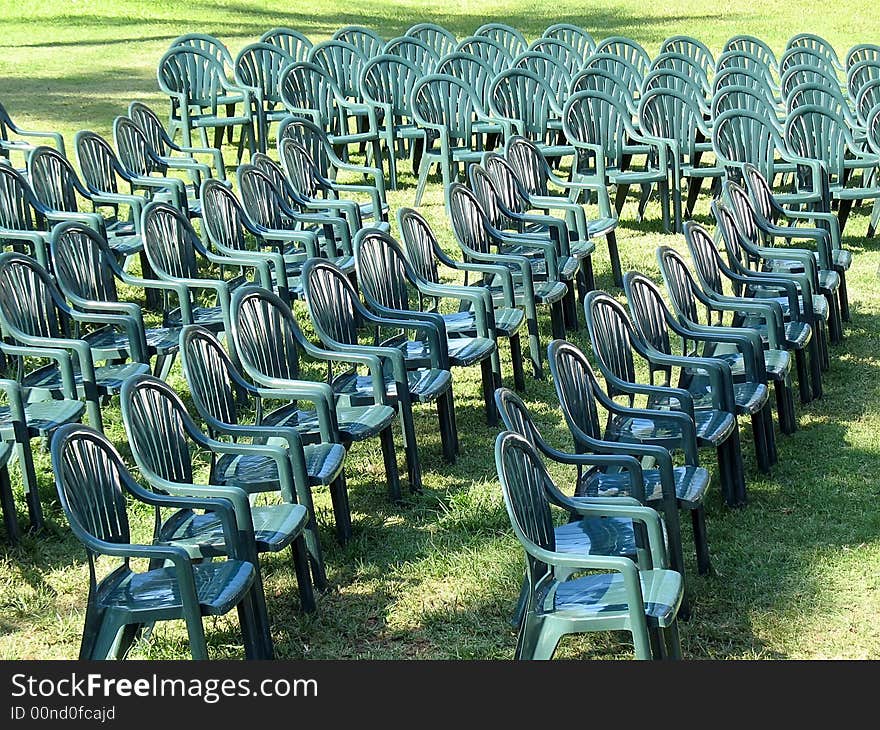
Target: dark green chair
[15,435]
[258,68]
[292,42]
[443,41]
[574,35]
[616,596]
[510,38]
[392,288]
[341,320]
[88,471]
[9,130]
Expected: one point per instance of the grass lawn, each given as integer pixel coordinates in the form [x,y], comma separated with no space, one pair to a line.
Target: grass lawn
[795,573]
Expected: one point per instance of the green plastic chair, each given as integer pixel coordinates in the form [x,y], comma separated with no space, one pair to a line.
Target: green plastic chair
[598,126]
[164,146]
[552,69]
[343,62]
[616,344]
[622,598]
[805,56]
[657,328]
[860,75]
[441,40]
[195,82]
[575,36]
[270,344]
[692,48]
[40,325]
[258,68]
[318,145]
[392,288]
[446,108]
[23,218]
[478,74]
[754,61]
[178,256]
[563,52]
[667,488]
[88,274]
[386,84]
[675,117]
[89,470]
[753,46]
[824,233]
[339,318]
[487,49]
[741,348]
[426,257]
[478,241]
[817,133]
[416,51]
[749,96]
[9,131]
[765,316]
[685,65]
[510,39]
[801,74]
[612,75]
[627,49]
[536,181]
[292,42]
[737,76]
[15,435]
[862,52]
[163,438]
[872,135]
[222,396]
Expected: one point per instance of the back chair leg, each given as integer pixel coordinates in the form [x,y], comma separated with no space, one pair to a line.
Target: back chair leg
[389,455]
[303,575]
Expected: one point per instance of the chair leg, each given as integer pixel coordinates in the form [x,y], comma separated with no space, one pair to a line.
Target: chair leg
[693,193]
[816,366]
[534,347]
[673,641]
[701,540]
[447,429]
[545,647]
[614,253]
[557,320]
[341,509]
[800,357]
[518,612]
[761,438]
[641,643]
[843,295]
[785,406]
[519,376]
[529,633]
[250,634]
[620,197]
[390,457]
[410,447]
[29,479]
[303,576]
[676,552]
[569,308]
[772,451]
[488,376]
[423,180]
[658,648]
[7,504]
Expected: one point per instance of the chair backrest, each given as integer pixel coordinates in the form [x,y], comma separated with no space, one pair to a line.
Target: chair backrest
[860,74]
[488,49]
[292,42]
[576,386]
[671,114]
[98,163]
[550,68]
[684,65]
[416,51]
[523,477]
[90,477]
[627,49]
[806,74]
[261,193]
[648,312]
[222,215]
[302,173]
[510,39]
[389,79]
[706,257]
[872,130]
[829,97]
[471,69]
[333,304]
[804,56]
[133,147]
[692,48]
[83,263]
[818,133]
[741,135]
[737,58]
[732,228]
[680,285]
[468,220]
[507,183]
[525,99]
[621,79]
[748,98]
[446,102]
[29,298]
[595,118]
[528,163]
[611,336]
[170,242]
[489,194]
[18,204]
[53,179]
[741,76]
[556,48]
[308,90]
[435,36]
[367,41]
[310,136]
[862,52]
[211,375]
[258,66]
[815,43]
[579,39]
[420,243]
[753,46]
[150,125]
[343,62]
[760,192]
[206,43]
[515,415]
[383,272]
[159,429]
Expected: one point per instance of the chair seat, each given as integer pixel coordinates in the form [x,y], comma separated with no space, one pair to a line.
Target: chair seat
[125,245]
[581,249]
[425,384]
[749,397]
[546,292]
[43,417]
[828,280]
[463,351]
[210,318]
[356,423]
[601,226]
[275,527]
[255,473]
[797,334]
[597,536]
[712,426]
[603,597]
[820,303]
[220,585]
[691,483]
[160,340]
[108,377]
[841,258]
[507,322]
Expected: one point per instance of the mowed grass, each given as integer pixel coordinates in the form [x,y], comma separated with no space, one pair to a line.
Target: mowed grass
[795,573]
